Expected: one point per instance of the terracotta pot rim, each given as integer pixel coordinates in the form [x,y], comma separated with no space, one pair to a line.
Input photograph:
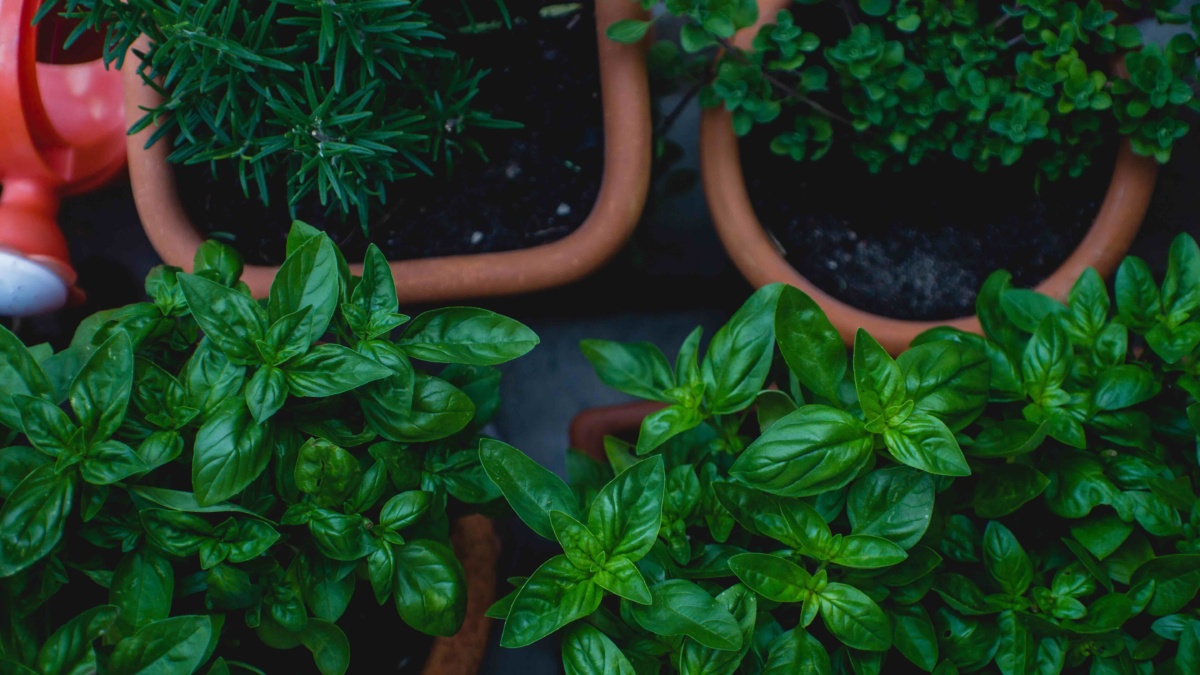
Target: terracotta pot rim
[757,255]
[624,185]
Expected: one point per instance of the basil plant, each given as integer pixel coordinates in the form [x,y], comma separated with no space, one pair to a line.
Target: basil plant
[205,458]
[1018,502]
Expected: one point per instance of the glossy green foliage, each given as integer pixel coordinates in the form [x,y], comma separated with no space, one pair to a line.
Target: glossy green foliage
[901,81]
[1018,502]
[211,458]
[341,98]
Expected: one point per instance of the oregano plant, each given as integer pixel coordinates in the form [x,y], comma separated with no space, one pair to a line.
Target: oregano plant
[206,458]
[1021,501]
[900,82]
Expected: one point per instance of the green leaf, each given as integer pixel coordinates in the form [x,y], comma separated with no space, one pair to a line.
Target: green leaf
[587,651]
[404,509]
[1044,365]
[696,659]
[923,442]
[1028,309]
[467,336]
[326,471]
[329,646]
[69,651]
[33,517]
[621,577]
[439,410]
[866,552]
[431,587]
[1181,285]
[581,547]
[877,378]
[175,646]
[1006,561]
[1123,386]
[100,393]
[111,461]
[948,380]
[772,405]
[811,346]
[266,392]
[854,618]
[1009,438]
[772,577]
[230,452]
[142,587]
[627,513]
[682,608]
[739,355]
[1176,580]
[895,503]
[628,31]
[663,425]
[20,374]
[797,652]
[47,427]
[556,594]
[913,635]
[234,322]
[1103,534]
[1015,648]
[1138,300]
[308,278]
[329,369]
[636,368]
[218,262]
[531,490]
[811,451]
[875,7]
[1004,488]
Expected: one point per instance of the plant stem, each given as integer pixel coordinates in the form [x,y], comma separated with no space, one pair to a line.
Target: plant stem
[781,85]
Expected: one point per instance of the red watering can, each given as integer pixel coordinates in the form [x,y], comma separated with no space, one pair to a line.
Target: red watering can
[62,131]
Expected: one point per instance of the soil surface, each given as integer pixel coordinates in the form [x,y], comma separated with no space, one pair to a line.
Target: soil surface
[918,244]
[537,185]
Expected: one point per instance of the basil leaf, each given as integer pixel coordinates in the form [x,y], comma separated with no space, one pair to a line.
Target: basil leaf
[1123,386]
[474,337]
[431,587]
[439,410]
[111,461]
[587,651]
[169,647]
[682,608]
[621,577]
[376,293]
[20,374]
[1015,649]
[895,503]
[854,618]
[531,490]
[628,511]
[230,452]
[266,392]
[663,425]
[947,380]
[696,659]
[1028,309]
[33,517]
[46,426]
[211,378]
[797,652]
[636,368]
[326,471]
[810,345]
[913,635]
[739,355]
[308,277]
[923,442]
[866,552]
[329,370]
[234,322]
[772,577]
[1006,561]
[1181,285]
[1005,487]
[404,509]
[813,450]
[1176,580]
[580,546]
[877,378]
[555,595]
[69,649]
[100,393]
[1044,365]
[142,587]
[329,646]
[218,262]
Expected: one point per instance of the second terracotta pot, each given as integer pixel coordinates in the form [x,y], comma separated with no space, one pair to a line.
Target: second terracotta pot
[625,96]
[759,259]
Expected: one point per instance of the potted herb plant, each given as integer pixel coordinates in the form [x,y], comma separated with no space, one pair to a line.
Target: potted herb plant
[890,108]
[1018,501]
[203,476]
[483,145]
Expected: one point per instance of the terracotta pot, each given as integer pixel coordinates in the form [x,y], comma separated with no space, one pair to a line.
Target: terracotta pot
[625,96]
[589,427]
[758,257]
[477,548]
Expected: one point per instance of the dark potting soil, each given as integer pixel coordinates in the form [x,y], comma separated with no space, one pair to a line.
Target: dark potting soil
[537,185]
[918,244]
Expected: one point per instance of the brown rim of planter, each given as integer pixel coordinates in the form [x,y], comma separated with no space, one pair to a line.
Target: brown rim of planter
[625,96]
[477,548]
[758,257]
[588,428]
